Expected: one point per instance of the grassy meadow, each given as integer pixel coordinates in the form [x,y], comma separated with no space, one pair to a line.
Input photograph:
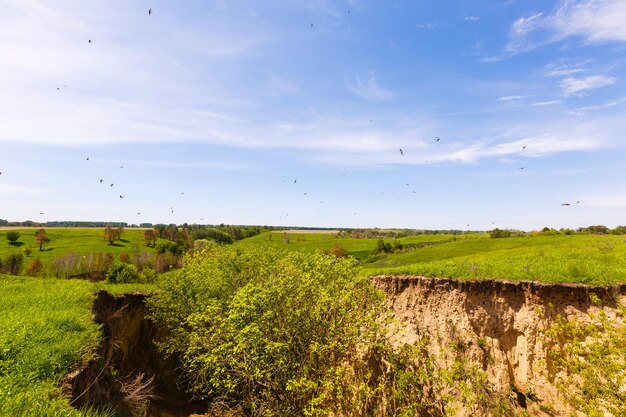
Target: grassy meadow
[359,248]
[592,259]
[82,241]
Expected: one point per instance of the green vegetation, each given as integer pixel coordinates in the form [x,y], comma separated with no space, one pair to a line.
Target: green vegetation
[584,258]
[579,258]
[359,248]
[45,328]
[592,354]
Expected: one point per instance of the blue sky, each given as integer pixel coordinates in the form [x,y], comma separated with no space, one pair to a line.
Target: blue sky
[230,102]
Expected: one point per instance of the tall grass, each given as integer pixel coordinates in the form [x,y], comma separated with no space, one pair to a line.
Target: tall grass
[45,329]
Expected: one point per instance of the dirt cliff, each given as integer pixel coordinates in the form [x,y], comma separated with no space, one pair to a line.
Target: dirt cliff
[500,325]
[128,371]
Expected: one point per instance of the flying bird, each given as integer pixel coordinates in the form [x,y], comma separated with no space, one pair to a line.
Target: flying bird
[121,196]
[578,202]
[522,168]
[89,40]
[295,181]
[401,152]
[311,24]
[437,138]
[565,204]
[101,181]
[87,158]
[42,213]
[111,185]
[121,166]
[138,212]
[149,12]
[57,88]
[524,147]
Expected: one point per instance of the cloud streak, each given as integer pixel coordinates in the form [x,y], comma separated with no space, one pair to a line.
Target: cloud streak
[369,89]
[577,86]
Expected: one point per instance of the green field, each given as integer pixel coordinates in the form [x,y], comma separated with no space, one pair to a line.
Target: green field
[82,241]
[593,259]
[358,248]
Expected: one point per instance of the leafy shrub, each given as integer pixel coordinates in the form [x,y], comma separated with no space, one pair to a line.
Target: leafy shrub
[34,268]
[13,263]
[273,333]
[121,273]
[497,233]
[339,251]
[12,236]
[124,257]
[147,276]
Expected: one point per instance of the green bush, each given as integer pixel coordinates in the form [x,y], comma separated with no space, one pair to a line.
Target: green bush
[13,236]
[272,333]
[122,273]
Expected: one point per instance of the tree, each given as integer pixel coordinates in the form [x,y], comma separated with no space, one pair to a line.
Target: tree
[110,234]
[12,237]
[497,233]
[13,263]
[150,236]
[41,237]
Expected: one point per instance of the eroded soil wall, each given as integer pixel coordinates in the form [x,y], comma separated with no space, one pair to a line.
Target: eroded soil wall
[500,325]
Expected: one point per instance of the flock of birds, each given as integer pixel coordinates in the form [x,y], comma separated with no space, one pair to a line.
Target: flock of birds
[402,153]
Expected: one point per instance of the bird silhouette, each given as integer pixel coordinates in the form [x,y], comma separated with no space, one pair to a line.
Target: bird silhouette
[401,152]
[57,88]
[87,159]
[100,181]
[522,168]
[565,204]
[437,138]
[89,40]
[311,24]
[578,202]
[111,185]
[138,212]
[149,12]
[295,181]
[524,147]
[42,213]
[121,196]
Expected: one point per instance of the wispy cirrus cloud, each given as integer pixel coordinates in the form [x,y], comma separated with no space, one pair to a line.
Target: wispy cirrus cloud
[369,89]
[577,86]
[594,21]
[581,111]
[547,103]
[427,25]
[511,98]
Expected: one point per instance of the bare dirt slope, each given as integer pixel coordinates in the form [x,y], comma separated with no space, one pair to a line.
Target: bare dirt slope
[500,325]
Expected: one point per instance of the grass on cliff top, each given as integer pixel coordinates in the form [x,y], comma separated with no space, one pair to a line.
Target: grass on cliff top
[588,259]
[45,331]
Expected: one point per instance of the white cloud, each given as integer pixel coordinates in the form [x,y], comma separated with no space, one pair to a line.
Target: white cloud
[595,21]
[547,103]
[427,25]
[369,89]
[574,86]
[471,18]
[580,111]
[511,98]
